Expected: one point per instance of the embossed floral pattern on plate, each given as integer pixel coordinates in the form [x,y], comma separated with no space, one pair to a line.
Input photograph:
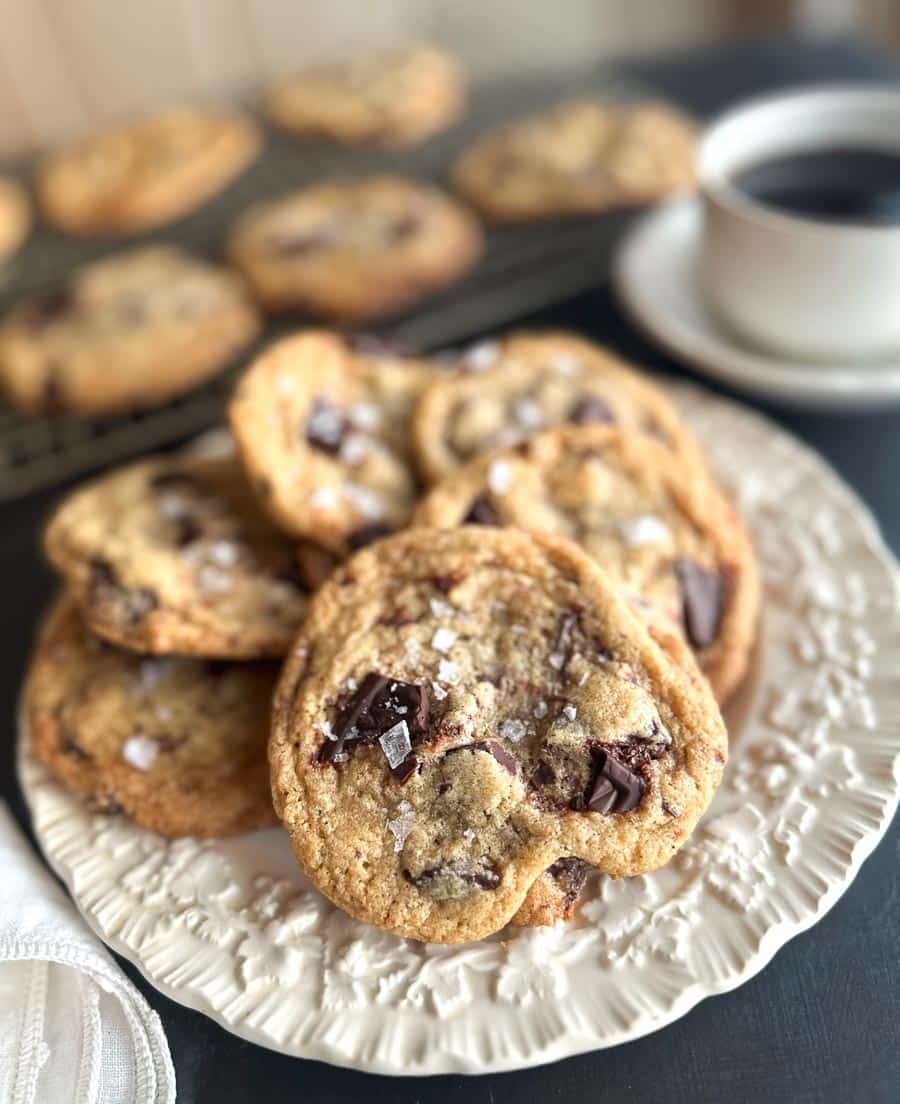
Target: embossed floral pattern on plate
[232,928]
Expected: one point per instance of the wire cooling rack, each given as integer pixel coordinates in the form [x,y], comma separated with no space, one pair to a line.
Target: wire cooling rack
[524,268]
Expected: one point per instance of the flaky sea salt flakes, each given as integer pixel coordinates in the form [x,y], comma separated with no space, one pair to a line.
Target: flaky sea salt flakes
[368,502]
[350,684]
[324,498]
[570,712]
[528,413]
[325,728]
[512,729]
[448,672]
[443,640]
[643,529]
[212,580]
[172,506]
[365,416]
[396,744]
[140,752]
[223,553]
[439,692]
[440,608]
[565,362]
[325,423]
[481,355]
[499,477]
[354,449]
[540,710]
[557,660]
[468,835]
[402,824]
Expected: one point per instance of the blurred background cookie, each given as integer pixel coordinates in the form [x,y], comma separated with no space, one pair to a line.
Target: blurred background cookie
[145,173]
[355,250]
[131,330]
[388,98]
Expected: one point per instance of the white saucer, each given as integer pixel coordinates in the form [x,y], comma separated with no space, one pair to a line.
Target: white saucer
[655,276]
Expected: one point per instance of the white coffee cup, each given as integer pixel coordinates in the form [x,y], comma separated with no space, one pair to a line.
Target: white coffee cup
[800,287]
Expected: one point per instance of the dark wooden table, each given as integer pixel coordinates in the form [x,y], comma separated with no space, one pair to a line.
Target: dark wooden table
[820,1023]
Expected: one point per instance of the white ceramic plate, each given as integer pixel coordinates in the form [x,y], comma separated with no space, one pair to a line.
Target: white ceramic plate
[232,928]
[655,276]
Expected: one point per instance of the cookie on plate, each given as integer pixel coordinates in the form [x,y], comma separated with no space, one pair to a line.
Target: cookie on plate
[667,536]
[354,250]
[509,389]
[462,709]
[395,97]
[172,555]
[15,216]
[177,745]
[579,158]
[146,173]
[128,331]
[321,424]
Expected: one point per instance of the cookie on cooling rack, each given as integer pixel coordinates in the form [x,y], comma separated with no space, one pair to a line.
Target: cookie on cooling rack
[354,250]
[579,158]
[464,708]
[394,97]
[172,555]
[177,745]
[146,173]
[128,331]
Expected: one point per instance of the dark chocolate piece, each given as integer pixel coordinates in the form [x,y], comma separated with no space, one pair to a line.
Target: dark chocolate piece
[482,512]
[325,425]
[591,409]
[379,704]
[702,595]
[615,789]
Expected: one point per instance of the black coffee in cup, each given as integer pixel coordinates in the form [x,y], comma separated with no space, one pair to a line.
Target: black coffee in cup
[840,184]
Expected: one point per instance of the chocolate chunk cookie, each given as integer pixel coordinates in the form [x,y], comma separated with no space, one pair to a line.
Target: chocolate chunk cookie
[127,331]
[463,709]
[509,389]
[15,216]
[177,745]
[172,555]
[321,424]
[666,535]
[579,158]
[395,97]
[354,250]
[146,173]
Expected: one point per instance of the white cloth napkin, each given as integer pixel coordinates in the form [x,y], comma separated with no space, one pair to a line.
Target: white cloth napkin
[73,1029]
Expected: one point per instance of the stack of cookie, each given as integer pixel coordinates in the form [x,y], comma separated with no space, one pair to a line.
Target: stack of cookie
[510,595]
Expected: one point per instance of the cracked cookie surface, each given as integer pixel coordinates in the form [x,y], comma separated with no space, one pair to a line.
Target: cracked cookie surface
[391,98]
[146,173]
[354,250]
[127,331]
[173,555]
[177,745]
[464,708]
[321,423]
[667,537]
[578,158]
[509,389]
